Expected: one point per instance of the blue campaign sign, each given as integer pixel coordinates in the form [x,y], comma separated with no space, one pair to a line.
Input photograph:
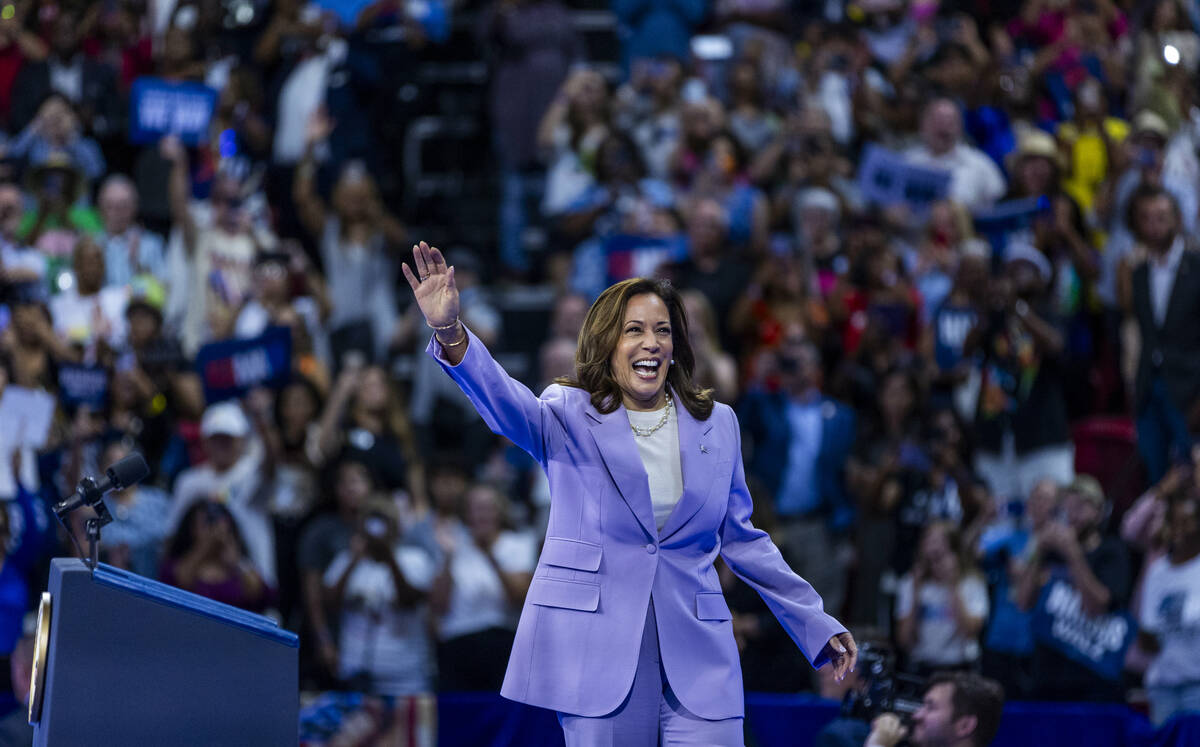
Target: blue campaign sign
[158,108]
[83,385]
[231,368]
[1003,219]
[887,178]
[640,256]
[1099,643]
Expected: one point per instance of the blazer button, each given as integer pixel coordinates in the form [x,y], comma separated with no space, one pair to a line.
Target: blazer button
[651,548]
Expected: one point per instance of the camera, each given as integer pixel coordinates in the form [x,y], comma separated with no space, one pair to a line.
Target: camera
[883,689]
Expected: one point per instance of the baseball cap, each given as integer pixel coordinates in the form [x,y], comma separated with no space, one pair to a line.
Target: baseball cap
[224,419]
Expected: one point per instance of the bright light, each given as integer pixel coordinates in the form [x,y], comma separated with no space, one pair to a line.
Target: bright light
[65,280]
[1171,54]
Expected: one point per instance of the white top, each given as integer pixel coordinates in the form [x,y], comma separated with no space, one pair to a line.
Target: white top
[660,457]
[975,179]
[477,600]
[939,641]
[390,643]
[1162,280]
[1171,610]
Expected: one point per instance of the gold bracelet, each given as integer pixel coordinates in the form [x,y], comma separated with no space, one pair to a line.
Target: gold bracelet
[453,344]
[451,325]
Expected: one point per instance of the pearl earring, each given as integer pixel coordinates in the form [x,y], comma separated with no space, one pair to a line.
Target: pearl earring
[672,361]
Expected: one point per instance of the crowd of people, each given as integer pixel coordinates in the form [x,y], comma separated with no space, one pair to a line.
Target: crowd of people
[941,257]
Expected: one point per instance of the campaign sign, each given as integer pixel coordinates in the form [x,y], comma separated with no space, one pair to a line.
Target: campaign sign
[1003,219]
[159,108]
[639,256]
[83,385]
[1099,643]
[231,368]
[887,178]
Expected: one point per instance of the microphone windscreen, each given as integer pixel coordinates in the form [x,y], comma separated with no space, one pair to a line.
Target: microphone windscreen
[128,471]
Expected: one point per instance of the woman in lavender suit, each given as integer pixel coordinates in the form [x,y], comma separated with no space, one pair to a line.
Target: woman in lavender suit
[624,631]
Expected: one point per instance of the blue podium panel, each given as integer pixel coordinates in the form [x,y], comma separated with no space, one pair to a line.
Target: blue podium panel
[131,661]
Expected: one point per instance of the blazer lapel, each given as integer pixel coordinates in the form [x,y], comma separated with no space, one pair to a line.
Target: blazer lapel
[698,458]
[614,440]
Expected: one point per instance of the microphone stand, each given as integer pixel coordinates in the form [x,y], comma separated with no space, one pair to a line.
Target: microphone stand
[93,496]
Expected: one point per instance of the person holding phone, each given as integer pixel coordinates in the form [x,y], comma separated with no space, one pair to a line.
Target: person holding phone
[624,631]
[208,556]
[378,588]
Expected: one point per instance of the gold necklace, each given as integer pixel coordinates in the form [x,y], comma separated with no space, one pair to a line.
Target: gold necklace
[652,429]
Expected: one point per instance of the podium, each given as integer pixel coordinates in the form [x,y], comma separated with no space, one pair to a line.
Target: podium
[123,660]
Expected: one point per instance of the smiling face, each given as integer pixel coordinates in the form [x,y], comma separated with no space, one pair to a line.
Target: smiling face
[642,356]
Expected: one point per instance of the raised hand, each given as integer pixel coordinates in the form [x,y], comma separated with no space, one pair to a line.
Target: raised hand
[433,286]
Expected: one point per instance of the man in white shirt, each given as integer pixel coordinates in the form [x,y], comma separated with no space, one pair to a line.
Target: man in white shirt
[233,476]
[129,249]
[975,180]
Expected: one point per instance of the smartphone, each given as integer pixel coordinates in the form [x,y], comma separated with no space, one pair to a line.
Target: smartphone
[375,527]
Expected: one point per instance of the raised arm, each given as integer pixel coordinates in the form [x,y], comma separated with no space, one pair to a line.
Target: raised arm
[507,405]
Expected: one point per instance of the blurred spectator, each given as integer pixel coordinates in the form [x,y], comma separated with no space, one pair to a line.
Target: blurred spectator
[478,593]
[941,605]
[129,249]
[134,540]
[89,86]
[799,441]
[87,312]
[569,136]
[1165,301]
[648,108]
[325,536]
[20,263]
[651,29]
[56,130]
[975,180]
[221,240]
[1021,421]
[377,588]
[18,45]
[1008,643]
[1169,617]
[714,367]
[233,477]
[365,416]
[530,45]
[1095,565]
[207,556]
[357,238]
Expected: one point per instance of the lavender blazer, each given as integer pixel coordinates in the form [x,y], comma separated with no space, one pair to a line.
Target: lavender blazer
[578,640]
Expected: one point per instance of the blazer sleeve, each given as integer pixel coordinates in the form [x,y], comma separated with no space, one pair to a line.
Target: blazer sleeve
[506,405]
[750,553]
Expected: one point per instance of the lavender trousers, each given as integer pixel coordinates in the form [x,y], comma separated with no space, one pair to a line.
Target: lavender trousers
[651,715]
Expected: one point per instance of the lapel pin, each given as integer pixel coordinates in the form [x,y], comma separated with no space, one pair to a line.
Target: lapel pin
[703,449]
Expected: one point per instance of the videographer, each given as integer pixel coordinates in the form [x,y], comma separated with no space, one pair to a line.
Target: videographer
[958,710]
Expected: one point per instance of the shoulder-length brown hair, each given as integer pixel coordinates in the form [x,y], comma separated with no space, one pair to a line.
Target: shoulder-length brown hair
[598,340]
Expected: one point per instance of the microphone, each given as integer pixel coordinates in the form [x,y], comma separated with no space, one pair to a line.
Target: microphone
[123,473]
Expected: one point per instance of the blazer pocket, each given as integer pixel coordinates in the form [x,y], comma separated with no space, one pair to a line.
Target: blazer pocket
[710,605]
[571,595]
[570,553]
